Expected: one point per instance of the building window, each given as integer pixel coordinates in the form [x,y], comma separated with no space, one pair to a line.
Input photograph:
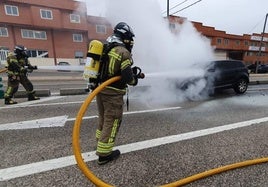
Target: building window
[31,34]
[11,10]
[219,40]
[74,18]
[226,41]
[3,32]
[254,43]
[246,42]
[46,14]
[79,54]
[77,37]
[37,53]
[237,42]
[101,29]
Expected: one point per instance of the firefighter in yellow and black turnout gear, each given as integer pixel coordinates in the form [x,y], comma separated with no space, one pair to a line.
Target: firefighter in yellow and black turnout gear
[18,66]
[110,100]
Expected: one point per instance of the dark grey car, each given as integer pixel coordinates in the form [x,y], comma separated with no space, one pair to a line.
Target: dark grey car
[223,74]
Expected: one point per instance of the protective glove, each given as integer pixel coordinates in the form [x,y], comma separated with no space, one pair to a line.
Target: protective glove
[23,70]
[32,67]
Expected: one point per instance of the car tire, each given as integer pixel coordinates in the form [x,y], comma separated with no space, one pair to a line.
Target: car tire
[241,86]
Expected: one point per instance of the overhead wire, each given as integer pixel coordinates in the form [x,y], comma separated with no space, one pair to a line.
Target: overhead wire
[257,24]
[186,7]
[175,6]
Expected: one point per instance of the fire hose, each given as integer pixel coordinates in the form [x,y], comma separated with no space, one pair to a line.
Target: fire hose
[3,70]
[98,182]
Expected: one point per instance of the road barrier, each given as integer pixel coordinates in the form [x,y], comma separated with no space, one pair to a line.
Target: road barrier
[38,93]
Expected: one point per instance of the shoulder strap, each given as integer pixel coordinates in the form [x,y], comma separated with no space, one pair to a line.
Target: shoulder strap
[105,60]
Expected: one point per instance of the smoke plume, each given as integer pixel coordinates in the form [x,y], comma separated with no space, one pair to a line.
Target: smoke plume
[166,58]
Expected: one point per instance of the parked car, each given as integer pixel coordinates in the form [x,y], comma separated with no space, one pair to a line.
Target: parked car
[223,74]
[262,68]
[62,68]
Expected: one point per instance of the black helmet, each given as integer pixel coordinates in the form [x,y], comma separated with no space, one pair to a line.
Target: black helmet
[20,50]
[125,33]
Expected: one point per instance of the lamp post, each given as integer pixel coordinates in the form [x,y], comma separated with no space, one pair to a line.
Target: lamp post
[259,54]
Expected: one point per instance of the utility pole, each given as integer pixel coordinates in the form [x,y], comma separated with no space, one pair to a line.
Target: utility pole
[262,34]
[167,9]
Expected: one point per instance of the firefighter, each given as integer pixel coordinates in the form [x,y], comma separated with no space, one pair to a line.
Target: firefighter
[110,100]
[18,67]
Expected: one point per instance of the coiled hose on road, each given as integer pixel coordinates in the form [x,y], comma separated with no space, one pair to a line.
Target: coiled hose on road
[98,182]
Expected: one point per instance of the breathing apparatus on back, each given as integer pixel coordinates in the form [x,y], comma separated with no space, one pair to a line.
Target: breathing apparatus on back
[96,67]
[92,67]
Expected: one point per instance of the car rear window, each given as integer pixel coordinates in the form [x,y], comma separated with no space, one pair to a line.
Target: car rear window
[227,64]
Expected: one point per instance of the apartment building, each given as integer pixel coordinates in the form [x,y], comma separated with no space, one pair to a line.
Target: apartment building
[229,46]
[47,28]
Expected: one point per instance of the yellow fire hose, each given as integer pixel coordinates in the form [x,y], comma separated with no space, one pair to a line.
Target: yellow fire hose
[98,182]
[3,70]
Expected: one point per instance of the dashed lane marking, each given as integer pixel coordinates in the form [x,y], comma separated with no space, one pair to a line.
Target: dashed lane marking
[31,103]
[38,167]
[59,121]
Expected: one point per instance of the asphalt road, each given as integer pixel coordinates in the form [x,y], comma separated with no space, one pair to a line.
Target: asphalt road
[160,143]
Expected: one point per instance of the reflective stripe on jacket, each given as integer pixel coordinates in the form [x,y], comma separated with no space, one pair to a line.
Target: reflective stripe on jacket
[120,60]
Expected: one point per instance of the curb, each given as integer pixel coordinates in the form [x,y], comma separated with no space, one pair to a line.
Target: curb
[73,91]
[38,93]
[258,82]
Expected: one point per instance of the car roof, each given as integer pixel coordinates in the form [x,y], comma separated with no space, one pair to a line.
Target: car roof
[231,63]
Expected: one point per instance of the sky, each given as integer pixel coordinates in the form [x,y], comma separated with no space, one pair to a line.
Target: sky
[233,16]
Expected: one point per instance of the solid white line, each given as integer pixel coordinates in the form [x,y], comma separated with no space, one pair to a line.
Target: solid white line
[58,121]
[38,167]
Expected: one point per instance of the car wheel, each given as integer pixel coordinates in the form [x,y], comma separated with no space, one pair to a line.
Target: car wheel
[241,86]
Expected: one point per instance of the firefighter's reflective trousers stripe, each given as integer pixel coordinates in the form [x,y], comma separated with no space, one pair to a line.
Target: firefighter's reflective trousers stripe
[110,109]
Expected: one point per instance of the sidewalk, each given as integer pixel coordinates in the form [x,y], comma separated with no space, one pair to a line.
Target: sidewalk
[258,78]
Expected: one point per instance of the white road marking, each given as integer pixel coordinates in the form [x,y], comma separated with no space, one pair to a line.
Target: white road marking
[58,121]
[38,167]
[133,112]
[30,103]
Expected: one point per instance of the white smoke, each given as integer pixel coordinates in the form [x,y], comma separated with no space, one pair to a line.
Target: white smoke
[163,56]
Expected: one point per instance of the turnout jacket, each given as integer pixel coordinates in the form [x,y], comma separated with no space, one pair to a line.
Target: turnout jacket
[15,66]
[119,64]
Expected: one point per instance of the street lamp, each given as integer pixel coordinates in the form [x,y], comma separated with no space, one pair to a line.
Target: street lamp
[259,54]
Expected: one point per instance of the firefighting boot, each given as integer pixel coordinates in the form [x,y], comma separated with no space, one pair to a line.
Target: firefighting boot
[105,159]
[9,101]
[32,97]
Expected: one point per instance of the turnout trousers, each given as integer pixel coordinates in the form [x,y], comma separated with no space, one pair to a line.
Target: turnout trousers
[110,109]
[13,85]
